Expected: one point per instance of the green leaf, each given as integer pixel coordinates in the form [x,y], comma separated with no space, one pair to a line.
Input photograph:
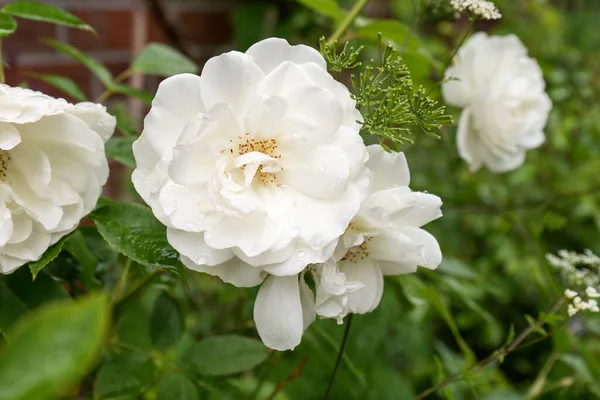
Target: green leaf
[133,230]
[124,374]
[53,348]
[225,355]
[329,8]
[34,293]
[166,322]
[98,69]
[49,255]
[159,59]
[62,83]
[7,24]
[142,95]
[11,307]
[78,248]
[119,149]
[45,12]
[175,385]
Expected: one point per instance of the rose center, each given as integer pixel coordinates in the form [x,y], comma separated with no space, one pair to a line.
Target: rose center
[360,252]
[257,158]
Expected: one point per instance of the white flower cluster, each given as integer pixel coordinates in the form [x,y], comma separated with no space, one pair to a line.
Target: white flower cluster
[52,169]
[258,171]
[478,8]
[583,302]
[577,270]
[505,107]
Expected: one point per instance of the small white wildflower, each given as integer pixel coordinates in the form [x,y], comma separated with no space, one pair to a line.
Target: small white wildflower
[591,292]
[480,8]
[570,293]
[572,310]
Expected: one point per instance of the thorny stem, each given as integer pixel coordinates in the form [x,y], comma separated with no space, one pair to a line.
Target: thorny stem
[345,24]
[496,355]
[339,358]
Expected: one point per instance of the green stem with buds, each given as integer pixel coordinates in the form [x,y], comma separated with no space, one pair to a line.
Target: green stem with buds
[345,24]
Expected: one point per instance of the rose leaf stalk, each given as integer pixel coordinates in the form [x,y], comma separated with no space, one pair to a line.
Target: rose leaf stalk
[338,359]
[346,22]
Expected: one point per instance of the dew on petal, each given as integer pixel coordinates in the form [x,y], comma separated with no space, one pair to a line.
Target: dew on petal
[301,253]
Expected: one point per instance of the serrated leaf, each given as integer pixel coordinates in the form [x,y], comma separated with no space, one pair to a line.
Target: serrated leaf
[162,60]
[133,230]
[329,8]
[45,12]
[166,322]
[225,355]
[49,255]
[124,374]
[120,149]
[96,67]
[7,24]
[174,385]
[62,83]
[53,348]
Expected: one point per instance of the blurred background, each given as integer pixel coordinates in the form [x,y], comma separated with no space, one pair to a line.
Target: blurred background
[495,232]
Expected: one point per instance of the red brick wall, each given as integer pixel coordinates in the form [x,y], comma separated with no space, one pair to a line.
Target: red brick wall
[203,24]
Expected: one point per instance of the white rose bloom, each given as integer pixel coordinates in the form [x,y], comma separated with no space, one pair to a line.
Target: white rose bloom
[385,238]
[52,169]
[256,167]
[505,107]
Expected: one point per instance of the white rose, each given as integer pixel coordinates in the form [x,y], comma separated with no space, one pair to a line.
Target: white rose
[52,169]
[505,107]
[385,238]
[256,167]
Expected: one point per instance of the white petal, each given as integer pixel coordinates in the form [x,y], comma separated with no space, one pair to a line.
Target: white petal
[234,271]
[6,225]
[430,251]
[193,246]
[278,313]
[389,169]
[368,273]
[95,117]
[426,208]
[301,257]
[271,52]
[229,78]
[307,299]
[9,136]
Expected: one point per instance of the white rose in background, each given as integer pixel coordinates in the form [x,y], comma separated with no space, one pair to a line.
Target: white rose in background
[256,167]
[385,238]
[52,169]
[505,107]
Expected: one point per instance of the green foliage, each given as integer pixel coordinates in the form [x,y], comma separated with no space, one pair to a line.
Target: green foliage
[166,322]
[96,67]
[119,149]
[49,255]
[124,374]
[175,385]
[62,83]
[224,355]
[133,230]
[161,60]
[53,348]
[329,8]
[385,93]
[7,24]
[44,12]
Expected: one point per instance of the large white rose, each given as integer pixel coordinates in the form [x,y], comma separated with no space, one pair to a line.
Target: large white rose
[256,167]
[52,169]
[505,107]
[385,238]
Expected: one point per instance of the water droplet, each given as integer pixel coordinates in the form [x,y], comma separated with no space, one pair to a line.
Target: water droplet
[294,232]
[301,253]
[201,216]
[202,260]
